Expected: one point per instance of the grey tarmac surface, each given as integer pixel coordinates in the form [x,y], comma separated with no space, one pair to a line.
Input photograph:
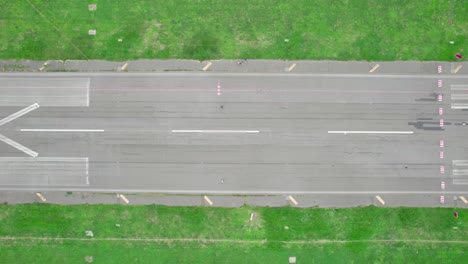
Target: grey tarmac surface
[133,147]
[136,149]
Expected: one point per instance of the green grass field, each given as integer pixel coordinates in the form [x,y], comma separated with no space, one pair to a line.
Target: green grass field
[211,29]
[56,234]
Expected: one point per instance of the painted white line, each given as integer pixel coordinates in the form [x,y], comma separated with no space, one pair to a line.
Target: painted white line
[457,68]
[215,131]
[442,199]
[459,172]
[290,198]
[441,154]
[374,68]
[440,98]
[439,83]
[207,66]
[18,146]
[439,69]
[370,132]
[459,87]
[121,196]
[442,185]
[459,96]
[292,67]
[441,122]
[460,162]
[43,199]
[441,143]
[208,200]
[87,92]
[441,111]
[380,199]
[87,180]
[252,216]
[59,130]
[459,106]
[442,169]
[460,181]
[18,114]
[124,67]
[463,199]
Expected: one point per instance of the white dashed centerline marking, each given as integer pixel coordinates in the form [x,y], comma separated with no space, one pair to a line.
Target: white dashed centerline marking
[60,130]
[370,132]
[215,131]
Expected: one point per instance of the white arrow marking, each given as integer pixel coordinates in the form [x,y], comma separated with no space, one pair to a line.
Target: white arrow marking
[18,146]
[18,114]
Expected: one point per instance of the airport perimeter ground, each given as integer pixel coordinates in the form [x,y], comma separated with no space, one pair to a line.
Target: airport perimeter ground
[158,234]
[231,29]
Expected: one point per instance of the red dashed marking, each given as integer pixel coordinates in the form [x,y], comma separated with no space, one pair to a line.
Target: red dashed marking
[441,111]
[219,88]
[441,143]
[442,169]
[442,199]
[441,122]
[439,69]
[442,185]
[440,98]
[441,154]
[439,83]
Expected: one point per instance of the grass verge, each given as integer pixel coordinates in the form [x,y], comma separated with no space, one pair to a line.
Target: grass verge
[53,234]
[211,29]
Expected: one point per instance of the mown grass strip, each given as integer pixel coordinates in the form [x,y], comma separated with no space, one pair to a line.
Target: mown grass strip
[209,29]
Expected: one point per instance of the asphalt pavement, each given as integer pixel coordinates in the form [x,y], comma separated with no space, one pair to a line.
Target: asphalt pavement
[235,133]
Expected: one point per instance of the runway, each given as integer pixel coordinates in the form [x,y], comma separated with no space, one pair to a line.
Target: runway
[234,133]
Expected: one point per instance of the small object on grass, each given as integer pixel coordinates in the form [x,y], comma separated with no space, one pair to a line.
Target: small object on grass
[292,259]
[92,32]
[452,42]
[286,227]
[88,258]
[458,55]
[120,40]
[118,225]
[455,214]
[286,40]
[92,7]
[89,233]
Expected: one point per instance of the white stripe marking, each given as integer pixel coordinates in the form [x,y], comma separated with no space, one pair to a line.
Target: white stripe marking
[41,197]
[207,66]
[18,114]
[215,131]
[460,162]
[380,199]
[459,87]
[208,200]
[121,196]
[459,106]
[463,199]
[293,200]
[18,146]
[457,68]
[374,68]
[124,66]
[60,130]
[370,132]
[292,67]
[87,92]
